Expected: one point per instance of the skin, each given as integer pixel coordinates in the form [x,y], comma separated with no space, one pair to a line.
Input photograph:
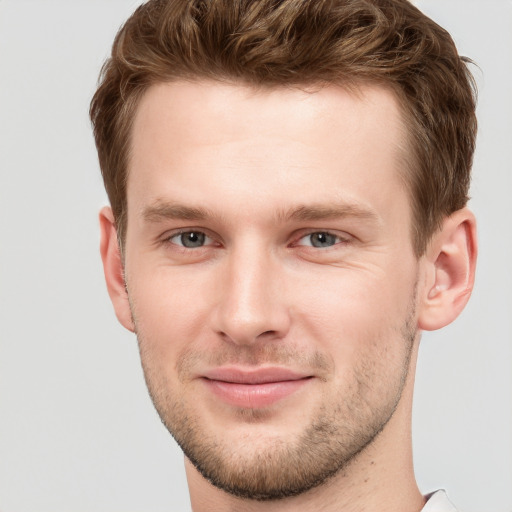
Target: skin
[264,176]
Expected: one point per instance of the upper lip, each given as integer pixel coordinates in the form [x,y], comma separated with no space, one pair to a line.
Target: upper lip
[263,375]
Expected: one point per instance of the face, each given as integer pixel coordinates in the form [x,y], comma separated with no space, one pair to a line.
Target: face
[271,276]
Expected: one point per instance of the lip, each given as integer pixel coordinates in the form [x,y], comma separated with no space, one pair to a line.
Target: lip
[253,388]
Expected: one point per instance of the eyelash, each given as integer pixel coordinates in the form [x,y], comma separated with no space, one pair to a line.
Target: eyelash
[168,239]
[340,240]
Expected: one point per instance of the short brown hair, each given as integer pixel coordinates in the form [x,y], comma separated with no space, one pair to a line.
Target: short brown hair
[296,43]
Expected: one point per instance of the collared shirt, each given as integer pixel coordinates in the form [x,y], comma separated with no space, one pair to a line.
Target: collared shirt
[438,502]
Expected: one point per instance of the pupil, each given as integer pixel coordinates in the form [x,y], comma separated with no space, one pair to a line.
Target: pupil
[192,239]
[323,239]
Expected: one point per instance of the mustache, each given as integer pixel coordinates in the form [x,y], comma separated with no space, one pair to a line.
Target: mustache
[270,354]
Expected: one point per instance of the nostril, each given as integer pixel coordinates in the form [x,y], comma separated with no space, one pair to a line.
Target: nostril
[244,337]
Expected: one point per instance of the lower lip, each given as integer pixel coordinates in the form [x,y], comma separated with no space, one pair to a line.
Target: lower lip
[253,396]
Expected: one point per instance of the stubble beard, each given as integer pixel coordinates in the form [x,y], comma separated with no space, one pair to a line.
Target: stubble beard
[284,467]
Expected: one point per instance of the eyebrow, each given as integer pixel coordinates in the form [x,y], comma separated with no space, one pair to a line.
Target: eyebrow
[329,211]
[175,211]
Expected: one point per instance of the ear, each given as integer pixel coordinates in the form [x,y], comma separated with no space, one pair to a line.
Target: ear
[450,271]
[113,268]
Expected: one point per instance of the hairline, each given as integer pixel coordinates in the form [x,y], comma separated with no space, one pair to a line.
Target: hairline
[407,158]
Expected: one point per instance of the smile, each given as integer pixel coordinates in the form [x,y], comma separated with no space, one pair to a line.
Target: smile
[253,389]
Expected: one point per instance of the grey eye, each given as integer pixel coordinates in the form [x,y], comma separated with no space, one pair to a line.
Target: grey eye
[190,239]
[322,239]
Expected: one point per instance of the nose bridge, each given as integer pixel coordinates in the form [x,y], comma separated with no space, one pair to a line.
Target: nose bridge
[252,303]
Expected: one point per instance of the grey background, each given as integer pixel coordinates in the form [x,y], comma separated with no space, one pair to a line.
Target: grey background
[77,430]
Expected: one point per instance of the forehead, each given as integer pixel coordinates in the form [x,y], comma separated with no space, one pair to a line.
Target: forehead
[188,110]
[197,141]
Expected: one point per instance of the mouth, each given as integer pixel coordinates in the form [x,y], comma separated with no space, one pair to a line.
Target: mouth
[253,389]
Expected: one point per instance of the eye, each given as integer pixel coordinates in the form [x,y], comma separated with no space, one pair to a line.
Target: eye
[190,239]
[320,239]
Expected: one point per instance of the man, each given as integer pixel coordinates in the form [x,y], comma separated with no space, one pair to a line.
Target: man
[288,184]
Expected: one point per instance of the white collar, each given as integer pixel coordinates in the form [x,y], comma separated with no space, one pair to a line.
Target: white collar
[438,502]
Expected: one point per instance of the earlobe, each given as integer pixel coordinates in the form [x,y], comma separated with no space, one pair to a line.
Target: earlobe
[113,268]
[450,270]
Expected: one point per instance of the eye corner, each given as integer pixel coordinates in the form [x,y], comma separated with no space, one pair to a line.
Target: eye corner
[321,239]
[189,239]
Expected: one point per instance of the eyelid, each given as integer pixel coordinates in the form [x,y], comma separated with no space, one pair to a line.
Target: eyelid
[342,237]
[169,235]
[213,239]
[207,240]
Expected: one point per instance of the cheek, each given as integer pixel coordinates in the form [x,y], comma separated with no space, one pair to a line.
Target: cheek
[357,316]
[359,301]
[342,312]
[169,307]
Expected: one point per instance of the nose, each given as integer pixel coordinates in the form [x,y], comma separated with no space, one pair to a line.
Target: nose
[253,305]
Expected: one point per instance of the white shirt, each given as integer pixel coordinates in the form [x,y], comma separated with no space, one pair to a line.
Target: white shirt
[438,502]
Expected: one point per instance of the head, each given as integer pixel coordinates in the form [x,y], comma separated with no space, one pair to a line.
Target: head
[295,43]
[287,182]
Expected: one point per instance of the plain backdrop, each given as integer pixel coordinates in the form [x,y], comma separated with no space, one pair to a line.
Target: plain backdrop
[78,432]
